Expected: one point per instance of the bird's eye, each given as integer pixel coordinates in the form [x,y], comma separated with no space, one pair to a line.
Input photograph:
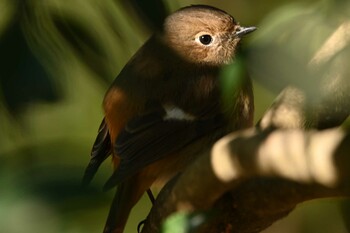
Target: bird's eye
[205,39]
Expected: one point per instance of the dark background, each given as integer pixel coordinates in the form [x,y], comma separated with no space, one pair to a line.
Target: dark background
[57,59]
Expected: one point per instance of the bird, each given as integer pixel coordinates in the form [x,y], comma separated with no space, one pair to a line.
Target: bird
[166,106]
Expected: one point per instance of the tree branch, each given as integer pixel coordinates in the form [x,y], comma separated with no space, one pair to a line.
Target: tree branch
[317,166]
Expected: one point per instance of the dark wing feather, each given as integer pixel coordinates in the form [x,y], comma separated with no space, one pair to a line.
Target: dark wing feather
[139,146]
[100,151]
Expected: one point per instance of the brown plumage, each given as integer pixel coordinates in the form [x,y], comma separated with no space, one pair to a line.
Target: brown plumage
[165,107]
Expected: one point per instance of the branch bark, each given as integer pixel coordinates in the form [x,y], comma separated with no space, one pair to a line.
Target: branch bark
[317,165]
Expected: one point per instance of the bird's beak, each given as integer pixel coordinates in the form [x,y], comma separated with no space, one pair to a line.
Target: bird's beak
[242,31]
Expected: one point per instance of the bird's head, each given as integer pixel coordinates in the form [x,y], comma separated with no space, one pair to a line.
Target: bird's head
[203,34]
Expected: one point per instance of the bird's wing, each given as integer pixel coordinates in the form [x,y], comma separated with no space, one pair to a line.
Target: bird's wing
[150,137]
[100,151]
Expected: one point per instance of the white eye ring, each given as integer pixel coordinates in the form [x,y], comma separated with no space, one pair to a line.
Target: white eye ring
[204,39]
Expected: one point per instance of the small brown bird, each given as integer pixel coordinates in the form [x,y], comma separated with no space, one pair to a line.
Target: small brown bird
[166,107]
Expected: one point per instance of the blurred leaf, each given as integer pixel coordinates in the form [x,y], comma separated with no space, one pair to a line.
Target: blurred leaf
[23,79]
[183,222]
[308,47]
[231,78]
[290,37]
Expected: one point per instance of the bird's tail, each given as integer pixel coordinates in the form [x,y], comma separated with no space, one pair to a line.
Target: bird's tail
[100,151]
[128,194]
